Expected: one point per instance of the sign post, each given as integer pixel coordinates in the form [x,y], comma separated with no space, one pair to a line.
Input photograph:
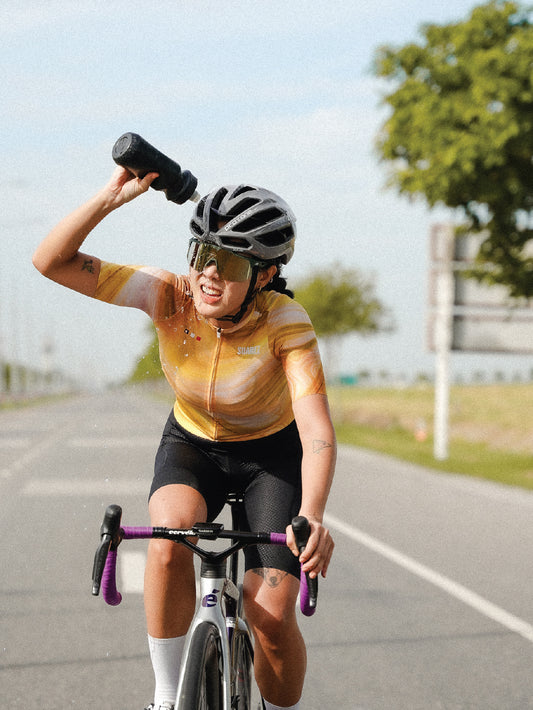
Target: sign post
[467,316]
[442,250]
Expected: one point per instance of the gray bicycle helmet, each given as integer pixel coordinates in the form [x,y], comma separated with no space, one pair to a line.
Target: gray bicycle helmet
[257,222]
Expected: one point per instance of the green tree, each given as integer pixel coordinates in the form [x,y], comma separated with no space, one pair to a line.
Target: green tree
[460,131]
[340,301]
[149,366]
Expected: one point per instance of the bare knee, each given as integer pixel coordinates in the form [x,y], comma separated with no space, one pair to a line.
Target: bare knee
[177,506]
[270,610]
[169,556]
[173,506]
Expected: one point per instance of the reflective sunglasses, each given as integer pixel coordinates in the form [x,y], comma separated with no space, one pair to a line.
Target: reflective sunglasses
[230,266]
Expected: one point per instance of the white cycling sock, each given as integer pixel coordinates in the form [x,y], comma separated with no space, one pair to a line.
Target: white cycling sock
[166,659]
[269,706]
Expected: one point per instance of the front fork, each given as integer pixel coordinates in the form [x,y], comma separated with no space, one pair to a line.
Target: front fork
[212,593]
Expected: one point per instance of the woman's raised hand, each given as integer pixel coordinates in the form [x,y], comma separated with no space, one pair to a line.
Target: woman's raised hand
[124,186]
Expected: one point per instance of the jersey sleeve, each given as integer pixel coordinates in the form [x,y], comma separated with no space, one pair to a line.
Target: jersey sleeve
[155,291]
[297,347]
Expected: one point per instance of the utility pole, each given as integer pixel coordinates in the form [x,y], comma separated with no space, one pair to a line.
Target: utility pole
[442,243]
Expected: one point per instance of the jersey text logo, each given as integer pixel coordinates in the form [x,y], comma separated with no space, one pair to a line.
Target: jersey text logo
[250,350]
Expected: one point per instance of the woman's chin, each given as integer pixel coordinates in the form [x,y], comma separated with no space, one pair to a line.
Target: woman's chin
[210,310]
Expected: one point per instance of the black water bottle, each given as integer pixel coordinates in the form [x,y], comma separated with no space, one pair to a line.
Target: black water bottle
[139,157]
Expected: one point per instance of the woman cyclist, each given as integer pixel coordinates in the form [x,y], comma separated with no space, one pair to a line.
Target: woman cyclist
[250,415]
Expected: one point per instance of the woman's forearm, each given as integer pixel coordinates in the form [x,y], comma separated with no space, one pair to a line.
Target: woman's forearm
[58,256]
[319,453]
[318,464]
[64,241]
[317,476]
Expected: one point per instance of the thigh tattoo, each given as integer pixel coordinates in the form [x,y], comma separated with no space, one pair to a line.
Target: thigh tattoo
[273,577]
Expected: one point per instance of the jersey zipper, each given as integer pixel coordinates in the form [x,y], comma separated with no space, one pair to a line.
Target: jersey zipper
[211,391]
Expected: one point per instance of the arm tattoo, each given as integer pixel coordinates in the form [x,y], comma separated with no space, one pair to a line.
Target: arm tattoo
[319,445]
[273,577]
[88,266]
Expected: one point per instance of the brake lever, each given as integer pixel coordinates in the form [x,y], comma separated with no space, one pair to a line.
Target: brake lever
[302,530]
[110,538]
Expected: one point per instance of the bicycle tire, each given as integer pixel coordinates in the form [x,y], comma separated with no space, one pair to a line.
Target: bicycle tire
[202,687]
[243,666]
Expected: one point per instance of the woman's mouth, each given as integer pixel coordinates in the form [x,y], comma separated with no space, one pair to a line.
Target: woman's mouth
[210,294]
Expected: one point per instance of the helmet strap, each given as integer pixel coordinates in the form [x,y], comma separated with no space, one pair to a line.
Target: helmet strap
[247,299]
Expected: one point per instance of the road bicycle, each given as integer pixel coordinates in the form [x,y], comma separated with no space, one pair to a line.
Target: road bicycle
[217,665]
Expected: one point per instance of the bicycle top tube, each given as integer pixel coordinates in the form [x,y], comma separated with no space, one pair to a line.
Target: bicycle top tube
[112,533]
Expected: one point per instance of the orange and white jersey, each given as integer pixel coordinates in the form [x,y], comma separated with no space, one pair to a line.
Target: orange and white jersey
[233,384]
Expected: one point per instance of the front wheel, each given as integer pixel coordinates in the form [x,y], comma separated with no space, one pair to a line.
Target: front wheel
[242,670]
[202,687]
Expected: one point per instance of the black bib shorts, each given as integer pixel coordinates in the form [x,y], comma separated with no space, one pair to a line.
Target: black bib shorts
[266,472]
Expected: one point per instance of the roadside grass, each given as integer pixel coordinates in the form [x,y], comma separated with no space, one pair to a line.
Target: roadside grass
[490,432]
[16,402]
[465,457]
[491,428]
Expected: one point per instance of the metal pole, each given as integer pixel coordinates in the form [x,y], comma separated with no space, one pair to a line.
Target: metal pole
[443,341]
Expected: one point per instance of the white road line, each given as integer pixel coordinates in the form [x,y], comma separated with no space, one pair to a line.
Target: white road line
[131,570]
[475,601]
[131,565]
[32,454]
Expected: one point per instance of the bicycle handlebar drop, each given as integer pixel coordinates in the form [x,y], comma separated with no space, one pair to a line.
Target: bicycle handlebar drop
[308,585]
[112,534]
[109,542]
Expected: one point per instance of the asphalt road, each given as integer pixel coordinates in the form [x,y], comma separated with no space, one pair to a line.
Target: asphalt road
[428,603]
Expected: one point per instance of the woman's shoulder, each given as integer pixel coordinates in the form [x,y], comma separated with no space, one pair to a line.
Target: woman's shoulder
[282,306]
[152,289]
[287,321]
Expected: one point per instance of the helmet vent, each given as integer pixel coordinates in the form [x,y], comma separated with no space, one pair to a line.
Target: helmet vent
[276,238]
[263,218]
[241,190]
[242,206]
[196,228]
[234,242]
[200,208]
[213,212]
[217,199]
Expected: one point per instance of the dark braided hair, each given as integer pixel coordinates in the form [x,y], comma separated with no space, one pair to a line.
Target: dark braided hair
[278,283]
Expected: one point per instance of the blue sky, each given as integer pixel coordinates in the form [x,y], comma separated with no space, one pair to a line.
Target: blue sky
[279,94]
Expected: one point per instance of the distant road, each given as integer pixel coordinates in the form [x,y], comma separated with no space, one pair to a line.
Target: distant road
[428,603]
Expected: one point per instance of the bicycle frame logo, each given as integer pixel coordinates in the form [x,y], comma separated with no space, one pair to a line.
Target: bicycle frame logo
[211,600]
